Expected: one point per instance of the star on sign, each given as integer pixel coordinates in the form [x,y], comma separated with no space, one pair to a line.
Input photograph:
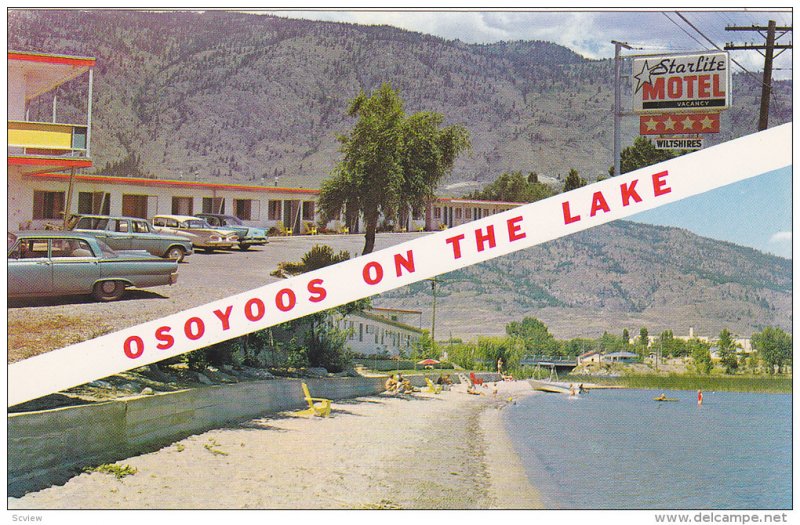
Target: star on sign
[651,124]
[642,77]
[669,124]
[687,123]
[707,123]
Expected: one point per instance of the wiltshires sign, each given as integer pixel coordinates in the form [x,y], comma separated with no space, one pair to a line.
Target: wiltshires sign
[700,81]
[401,265]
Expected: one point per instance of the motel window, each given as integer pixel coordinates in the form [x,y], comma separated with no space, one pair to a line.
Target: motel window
[246,209]
[437,213]
[275,210]
[48,204]
[213,205]
[135,205]
[458,213]
[308,210]
[360,332]
[97,202]
[417,216]
[182,206]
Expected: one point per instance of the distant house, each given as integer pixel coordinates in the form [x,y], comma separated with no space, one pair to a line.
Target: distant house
[591,357]
[620,357]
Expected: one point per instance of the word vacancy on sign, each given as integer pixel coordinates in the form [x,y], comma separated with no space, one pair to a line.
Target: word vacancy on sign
[681,82]
[400,265]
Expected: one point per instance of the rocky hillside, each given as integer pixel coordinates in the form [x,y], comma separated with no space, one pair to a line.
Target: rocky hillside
[620,275]
[246,97]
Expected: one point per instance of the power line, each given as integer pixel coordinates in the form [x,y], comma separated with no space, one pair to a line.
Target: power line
[769,47]
[682,29]
[763,84]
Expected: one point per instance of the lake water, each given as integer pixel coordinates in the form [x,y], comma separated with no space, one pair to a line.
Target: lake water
[619,449]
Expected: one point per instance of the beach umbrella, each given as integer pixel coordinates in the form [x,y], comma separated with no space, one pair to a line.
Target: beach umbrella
[426,362]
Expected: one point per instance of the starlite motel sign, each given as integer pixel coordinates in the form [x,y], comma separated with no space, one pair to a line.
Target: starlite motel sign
[700,81]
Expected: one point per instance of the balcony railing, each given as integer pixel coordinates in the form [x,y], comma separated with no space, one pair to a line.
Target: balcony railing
[45,138]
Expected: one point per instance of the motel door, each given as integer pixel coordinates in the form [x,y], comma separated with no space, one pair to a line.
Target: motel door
[291,215]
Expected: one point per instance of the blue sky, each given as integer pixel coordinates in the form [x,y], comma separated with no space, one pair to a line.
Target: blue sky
[756,212]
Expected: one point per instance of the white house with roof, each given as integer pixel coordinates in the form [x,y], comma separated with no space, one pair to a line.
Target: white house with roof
[378,332]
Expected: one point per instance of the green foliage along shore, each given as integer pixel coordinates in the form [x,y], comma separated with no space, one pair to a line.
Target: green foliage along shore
[776,384]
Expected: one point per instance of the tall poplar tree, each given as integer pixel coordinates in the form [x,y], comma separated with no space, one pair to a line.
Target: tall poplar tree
[391,162]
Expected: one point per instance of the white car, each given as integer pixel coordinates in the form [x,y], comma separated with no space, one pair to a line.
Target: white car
[202,234]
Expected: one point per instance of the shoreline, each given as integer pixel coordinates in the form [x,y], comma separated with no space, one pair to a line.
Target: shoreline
[446,451]
[509,486]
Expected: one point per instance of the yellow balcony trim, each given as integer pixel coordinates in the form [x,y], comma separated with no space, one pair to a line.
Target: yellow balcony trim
[46,135]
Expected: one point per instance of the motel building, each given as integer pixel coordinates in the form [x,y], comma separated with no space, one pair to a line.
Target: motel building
[381,331]
[38,142]
[45,159]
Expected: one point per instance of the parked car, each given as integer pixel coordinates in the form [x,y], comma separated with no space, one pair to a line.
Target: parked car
[248,235]
[197,230]
[52,263]
[131,233]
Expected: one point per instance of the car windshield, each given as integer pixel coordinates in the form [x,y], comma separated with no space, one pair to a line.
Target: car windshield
[196,223]
[233,220]
[91,223]
[108,253]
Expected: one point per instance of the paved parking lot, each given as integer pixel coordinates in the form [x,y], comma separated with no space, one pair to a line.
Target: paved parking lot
[38,326]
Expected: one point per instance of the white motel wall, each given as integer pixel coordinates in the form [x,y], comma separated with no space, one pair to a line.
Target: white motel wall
[35,200]
[370,335]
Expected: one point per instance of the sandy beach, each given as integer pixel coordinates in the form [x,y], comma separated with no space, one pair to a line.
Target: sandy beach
[422,451]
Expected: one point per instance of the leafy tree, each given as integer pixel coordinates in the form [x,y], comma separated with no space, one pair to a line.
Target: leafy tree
[644,341]
[573,180]
[534,335]
[641,154]
[612,343]
[325,344]
[514,187]
[727,352]
[701,355]
[626,336]
[423,348]
[391,162]
[577,346]
[509,349]
[774,346]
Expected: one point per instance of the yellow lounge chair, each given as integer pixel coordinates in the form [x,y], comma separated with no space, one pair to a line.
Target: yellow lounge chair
[317,406]
[433,389]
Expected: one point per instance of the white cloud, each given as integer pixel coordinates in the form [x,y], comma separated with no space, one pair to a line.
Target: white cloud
[587,32]
[781,237]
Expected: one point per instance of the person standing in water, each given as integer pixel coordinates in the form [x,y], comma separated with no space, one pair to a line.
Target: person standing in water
[699,397]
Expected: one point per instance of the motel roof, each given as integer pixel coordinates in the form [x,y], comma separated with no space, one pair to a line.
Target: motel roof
[168,183]
[479,202]
[44,71]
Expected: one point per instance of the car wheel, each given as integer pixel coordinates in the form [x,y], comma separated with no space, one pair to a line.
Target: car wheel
[244,247]
[175,253]
[108,290]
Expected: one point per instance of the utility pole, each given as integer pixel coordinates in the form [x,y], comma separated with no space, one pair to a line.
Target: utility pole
[618,103]
[769,47]
[433,318]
